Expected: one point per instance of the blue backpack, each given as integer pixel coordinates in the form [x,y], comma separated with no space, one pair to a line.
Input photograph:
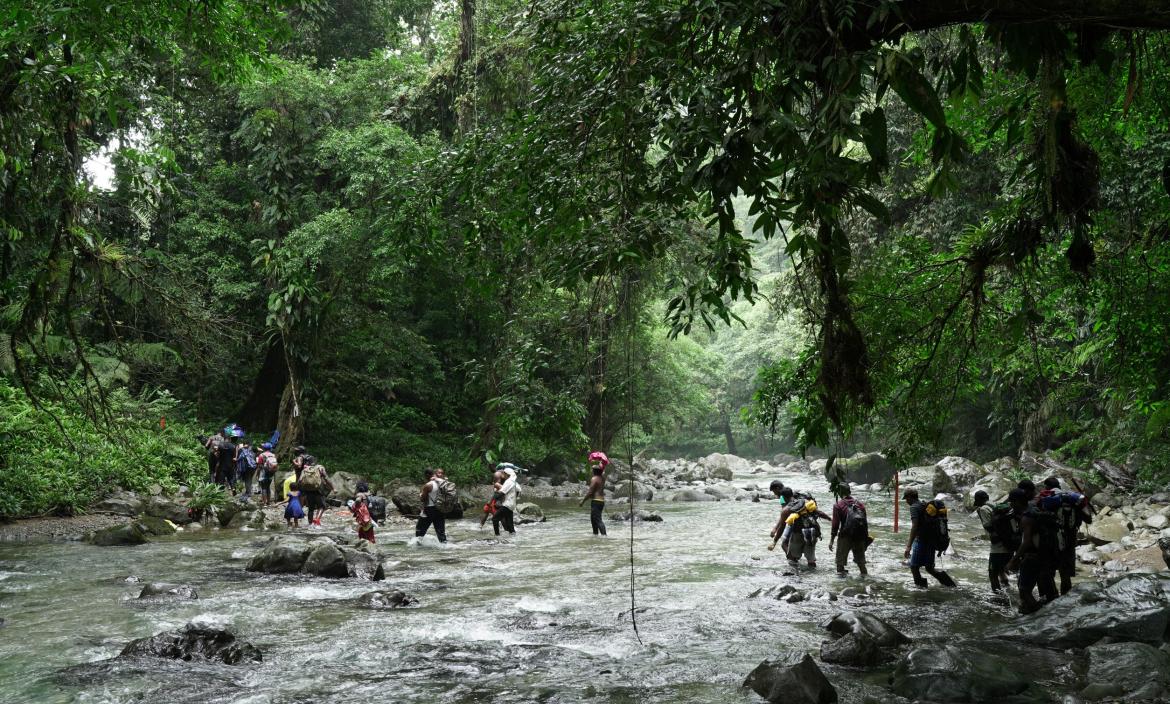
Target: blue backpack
[247,460]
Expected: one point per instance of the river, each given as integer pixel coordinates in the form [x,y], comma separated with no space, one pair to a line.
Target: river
[543,617]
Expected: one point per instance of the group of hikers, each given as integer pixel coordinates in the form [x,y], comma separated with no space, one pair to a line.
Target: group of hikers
[234,465]
[1033,534]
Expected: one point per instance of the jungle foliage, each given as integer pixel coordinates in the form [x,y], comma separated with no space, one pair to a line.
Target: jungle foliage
[411,233]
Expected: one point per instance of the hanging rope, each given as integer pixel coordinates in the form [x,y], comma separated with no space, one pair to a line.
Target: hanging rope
[630,442]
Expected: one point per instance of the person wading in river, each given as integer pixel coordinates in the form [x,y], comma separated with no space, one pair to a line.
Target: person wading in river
[596,493]
[798,529]
[315,485]
[489,509]
[997,521]
[1070,510]
[1037,555]
[923,542]
[431,515]
[850,531]
[506,507]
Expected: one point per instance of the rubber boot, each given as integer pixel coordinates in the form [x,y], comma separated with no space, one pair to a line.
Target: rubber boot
[944,579]
[921,583]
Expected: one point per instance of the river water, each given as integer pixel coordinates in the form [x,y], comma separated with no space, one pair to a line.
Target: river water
[542,617]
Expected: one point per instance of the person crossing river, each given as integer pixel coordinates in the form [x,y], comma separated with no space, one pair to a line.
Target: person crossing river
[798,530]
[597,462]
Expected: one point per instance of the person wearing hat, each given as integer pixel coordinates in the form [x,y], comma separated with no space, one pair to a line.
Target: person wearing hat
[597,462]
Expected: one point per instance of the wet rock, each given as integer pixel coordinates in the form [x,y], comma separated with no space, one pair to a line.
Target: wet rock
[691,495]
[1135,671]
[1106,500]
[1157,521]
[640,491]
[386,599]
[123,503]
[854,650]
[325,560]
[866,624]
[722,492]
[639,515]
[156,526]
[193,527]
[406,500]
[280,555]
[789,594]
[954,473]
[161,589]
[345,484]
[133,533]
[956,673]
[996,485]
[1108,529]
[863,468]
[195,642]
[1132,607]
[236,514]
[791,679]
[529,513]
[164,508]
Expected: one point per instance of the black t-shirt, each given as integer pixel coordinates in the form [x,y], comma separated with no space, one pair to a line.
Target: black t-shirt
[227,455]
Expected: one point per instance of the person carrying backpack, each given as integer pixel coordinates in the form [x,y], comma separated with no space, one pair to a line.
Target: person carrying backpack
[1070,510]
[801,529]
[1036,556]
[850,531]
[506,506]
[266,465]
[246,466]
[431,514]
[315,485]
[997,521]
[929,536]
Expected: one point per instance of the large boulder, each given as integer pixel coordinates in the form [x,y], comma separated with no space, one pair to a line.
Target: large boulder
[1130,608]
[195,642]
[957,673]
[156,526]
[920,478]
[723,492]
[639,515]
[995,484]
[123,503]
[132,533]
[854,650]
[529,513]
[793,678]
[863,468]
[406,500]
[345,484]
[161,589]
[325,559]
[1108,529]
[865,624]
[954,473]
[691,495]
[164,508]
[280,555]
[640,491]
[1132,671]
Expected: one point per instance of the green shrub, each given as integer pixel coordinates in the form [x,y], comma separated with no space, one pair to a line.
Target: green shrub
[55,459]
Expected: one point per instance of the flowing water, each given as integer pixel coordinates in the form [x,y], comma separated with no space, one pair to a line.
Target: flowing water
[542,617]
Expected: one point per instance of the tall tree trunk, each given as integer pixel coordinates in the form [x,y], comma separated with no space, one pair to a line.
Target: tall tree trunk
[726,427]
[262,411]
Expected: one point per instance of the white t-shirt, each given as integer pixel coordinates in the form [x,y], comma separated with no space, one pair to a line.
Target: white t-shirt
[510,489]
[434,492]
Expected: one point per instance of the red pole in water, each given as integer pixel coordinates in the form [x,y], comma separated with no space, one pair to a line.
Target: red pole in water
[896,502]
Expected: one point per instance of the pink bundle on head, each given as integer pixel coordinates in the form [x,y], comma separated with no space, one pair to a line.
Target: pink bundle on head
[598,457]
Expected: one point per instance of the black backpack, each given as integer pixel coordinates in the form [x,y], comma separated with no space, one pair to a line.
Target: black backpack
[935,531]
[1004,529]
[855,525]
[1049,536]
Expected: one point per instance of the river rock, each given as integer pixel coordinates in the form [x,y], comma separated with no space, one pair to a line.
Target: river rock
[639,515]
[156,526]
[162,507]
[691,495]
[123,503]
[132,533]
[854,650]
[529,513]
[863,468]
[793,678]
[1132,607]
[1108,529]
[345,484]
[280,555]
[996,485]
[194,642]
[863,623]
[1157,521]
[325,560]
[723,492]
[161,589]
[386,599]
[640,491]
[406,500]
[956,673]
[1135,671]
[954,473]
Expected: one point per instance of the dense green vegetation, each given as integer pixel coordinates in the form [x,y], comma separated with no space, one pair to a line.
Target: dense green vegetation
[410,233]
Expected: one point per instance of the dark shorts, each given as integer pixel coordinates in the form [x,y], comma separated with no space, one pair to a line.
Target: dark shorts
[312,500]
[997,562]
[921,554]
